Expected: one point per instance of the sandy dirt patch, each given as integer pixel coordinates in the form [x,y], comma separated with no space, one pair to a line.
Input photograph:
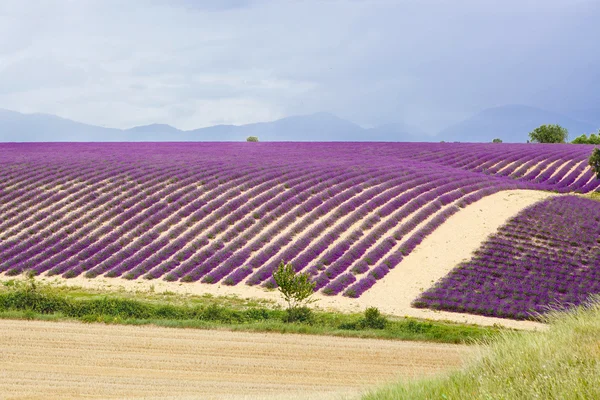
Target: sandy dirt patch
[60,360]
[452,243]
[446,247]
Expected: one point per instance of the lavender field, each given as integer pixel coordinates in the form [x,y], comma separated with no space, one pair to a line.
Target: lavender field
[549,254]
[228,213]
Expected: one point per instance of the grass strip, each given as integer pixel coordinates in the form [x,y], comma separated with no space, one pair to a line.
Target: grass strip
[32,300]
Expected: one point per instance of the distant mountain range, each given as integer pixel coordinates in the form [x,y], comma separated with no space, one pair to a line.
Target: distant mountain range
[511,123]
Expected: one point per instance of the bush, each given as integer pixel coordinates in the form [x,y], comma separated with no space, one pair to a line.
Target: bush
[594,162]
[252,139]
[373,319]
[298,314]
[497,140]
[549,134]
[295,288]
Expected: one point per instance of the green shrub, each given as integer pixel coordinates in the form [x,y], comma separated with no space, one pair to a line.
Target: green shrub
[298,314]
[296,289]
[252,139]
[373,319]
[594,162]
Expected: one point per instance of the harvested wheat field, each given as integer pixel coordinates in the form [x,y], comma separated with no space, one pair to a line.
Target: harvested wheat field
[45,360]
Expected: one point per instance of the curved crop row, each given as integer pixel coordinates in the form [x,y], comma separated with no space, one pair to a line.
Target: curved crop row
[347,213]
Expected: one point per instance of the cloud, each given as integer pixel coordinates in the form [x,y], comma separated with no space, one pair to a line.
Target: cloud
[32,73]
[194,63]
[206,5]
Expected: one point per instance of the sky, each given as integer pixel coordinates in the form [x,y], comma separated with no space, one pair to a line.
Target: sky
[195,63]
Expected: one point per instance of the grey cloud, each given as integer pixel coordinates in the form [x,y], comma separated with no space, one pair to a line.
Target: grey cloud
[39,72]
[205,5]
[186,62]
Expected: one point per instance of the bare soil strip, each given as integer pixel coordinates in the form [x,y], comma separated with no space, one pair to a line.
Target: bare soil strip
[450,244]
[63,360]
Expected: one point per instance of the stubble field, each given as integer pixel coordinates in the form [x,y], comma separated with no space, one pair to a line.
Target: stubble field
[46,360]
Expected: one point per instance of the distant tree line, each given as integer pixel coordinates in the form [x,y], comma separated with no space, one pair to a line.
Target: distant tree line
[584,139]
[554,133]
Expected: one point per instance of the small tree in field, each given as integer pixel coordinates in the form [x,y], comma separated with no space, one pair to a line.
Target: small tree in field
[252,139]
[594,162]
[296,290]
[549,134]
[497,140]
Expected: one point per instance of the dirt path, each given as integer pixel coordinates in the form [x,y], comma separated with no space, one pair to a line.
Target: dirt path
[58,360]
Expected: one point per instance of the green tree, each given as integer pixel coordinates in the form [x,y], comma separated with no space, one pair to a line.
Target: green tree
[296,289]
[497,140]
[594,162]
[583,139]
[252,139]
[549,134]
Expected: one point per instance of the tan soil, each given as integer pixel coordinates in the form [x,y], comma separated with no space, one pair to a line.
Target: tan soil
[450,244]
[59,360]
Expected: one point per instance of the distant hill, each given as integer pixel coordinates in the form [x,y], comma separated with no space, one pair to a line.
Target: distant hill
[154,133]
[154,128]
[402,132]
[17,127]
[305,128]
[511,123]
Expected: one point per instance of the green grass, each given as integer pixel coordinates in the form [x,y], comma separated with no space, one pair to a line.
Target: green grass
[560,363]
[34,300]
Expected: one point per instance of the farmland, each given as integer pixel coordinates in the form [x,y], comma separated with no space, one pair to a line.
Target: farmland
[227,213]
[546,255]
[41,360]
[373,224]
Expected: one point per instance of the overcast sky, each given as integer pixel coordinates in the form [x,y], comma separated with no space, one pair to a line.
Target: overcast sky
[194,63]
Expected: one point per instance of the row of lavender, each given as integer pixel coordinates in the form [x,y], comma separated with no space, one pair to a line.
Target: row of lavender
[44,261]
[549,254]
[346,213]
